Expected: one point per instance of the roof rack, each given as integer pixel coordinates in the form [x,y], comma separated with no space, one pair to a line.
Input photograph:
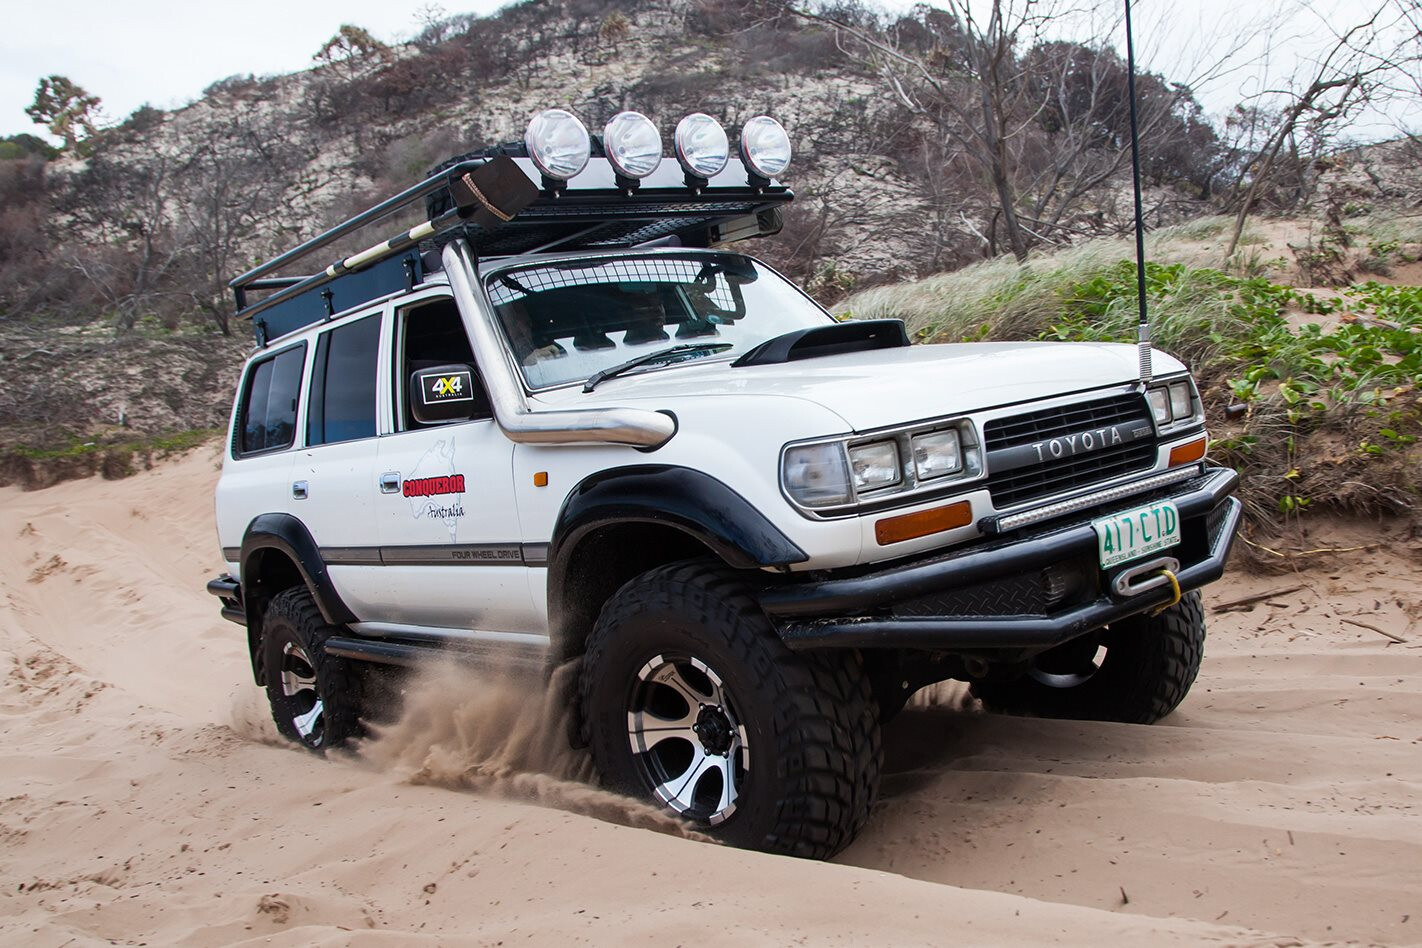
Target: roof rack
[501,203]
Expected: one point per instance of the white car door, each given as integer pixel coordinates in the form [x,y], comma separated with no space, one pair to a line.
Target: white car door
[333,479]
[449,528]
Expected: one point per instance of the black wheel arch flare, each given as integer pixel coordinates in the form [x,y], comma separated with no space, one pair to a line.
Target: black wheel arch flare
[286,536]
[687,500]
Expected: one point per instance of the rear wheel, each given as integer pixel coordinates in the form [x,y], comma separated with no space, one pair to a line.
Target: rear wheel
[1136,671]
[315,697]
[691,699]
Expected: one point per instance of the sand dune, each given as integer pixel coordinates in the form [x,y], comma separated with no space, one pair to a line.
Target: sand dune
[144,799]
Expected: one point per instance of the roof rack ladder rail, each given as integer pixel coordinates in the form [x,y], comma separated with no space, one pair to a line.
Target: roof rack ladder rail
[632,426]
[383,209]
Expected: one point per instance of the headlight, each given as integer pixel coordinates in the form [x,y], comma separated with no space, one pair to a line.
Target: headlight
[633,144]
[1160,406]
[701,145]
[936,454]
[816,475]
[558,143]
[875,465]
[765,147]
[1180,406]
[1174,404]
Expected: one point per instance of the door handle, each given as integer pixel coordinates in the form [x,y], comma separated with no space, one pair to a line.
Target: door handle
[390,482]
[299,490]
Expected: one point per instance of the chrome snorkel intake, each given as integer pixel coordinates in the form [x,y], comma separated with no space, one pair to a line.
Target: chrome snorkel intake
[630,426]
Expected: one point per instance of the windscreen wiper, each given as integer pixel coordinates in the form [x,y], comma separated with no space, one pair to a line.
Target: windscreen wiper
[661,355]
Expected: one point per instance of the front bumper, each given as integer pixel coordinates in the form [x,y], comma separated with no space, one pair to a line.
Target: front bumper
[1026,591]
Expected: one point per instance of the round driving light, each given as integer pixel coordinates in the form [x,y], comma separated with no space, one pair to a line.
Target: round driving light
[632,144]
[558,143]
[765,146]
[701,145]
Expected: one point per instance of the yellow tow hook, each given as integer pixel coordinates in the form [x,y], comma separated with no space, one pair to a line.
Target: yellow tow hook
[1174,586]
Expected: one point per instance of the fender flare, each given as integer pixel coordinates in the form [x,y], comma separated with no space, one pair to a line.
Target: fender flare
[689,500]
[682,498]
[286,535]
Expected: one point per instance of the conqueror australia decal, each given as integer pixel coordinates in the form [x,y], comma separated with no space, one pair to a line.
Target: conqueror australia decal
[435,488]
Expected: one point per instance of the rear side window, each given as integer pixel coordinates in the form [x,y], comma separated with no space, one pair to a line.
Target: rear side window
[343,384]
[268,418]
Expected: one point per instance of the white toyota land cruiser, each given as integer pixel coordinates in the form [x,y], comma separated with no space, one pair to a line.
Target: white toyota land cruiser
[576,426]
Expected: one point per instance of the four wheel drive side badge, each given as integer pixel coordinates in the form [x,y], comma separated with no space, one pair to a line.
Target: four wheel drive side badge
[436,388]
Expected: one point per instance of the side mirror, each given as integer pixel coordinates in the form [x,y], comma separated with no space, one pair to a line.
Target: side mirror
[444,394]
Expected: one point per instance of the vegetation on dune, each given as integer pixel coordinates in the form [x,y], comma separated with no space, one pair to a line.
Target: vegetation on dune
[1316,399]
[112,456]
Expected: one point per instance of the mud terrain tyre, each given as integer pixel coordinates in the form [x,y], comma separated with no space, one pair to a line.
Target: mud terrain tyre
[1148,668]
[315,697]
[688,696]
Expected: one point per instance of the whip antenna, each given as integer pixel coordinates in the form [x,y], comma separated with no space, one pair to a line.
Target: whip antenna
[1143,329]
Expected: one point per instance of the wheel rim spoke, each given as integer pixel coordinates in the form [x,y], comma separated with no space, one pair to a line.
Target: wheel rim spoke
[680,791]
[729,791]
[306,724]
[293,683]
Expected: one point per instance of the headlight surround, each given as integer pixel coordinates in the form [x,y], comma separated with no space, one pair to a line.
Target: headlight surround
[558,143]
[817,475]
[937,454]
[843,476]
[876,465]
[632,144]
[765,146]
[701,145]
[1174,404]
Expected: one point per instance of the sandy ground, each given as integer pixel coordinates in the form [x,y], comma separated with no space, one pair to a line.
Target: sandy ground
[142,799]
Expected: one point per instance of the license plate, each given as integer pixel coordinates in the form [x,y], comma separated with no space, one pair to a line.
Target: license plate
[1132,534]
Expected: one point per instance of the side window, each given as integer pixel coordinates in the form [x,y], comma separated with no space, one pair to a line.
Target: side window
[268,418]
[343,383]
[432,334]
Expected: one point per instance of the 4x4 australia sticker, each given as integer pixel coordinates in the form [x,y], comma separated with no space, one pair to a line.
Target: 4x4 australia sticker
[436,388]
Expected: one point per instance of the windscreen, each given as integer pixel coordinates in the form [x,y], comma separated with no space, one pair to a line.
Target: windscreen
[569,320]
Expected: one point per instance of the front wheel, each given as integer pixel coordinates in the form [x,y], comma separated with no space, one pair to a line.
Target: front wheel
[690,698]
[1137,671]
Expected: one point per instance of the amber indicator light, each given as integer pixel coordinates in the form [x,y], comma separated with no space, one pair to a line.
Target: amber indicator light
[1185,453]
[923,523]
[540,479]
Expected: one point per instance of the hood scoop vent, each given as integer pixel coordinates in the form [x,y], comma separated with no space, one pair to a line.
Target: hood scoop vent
[834,339]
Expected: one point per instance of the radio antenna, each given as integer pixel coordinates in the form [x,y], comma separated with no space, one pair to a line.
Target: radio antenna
[1143,328]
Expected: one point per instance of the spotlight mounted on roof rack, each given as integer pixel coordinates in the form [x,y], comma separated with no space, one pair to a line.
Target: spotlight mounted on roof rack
[702,146]
[633,145]
[558,143]
[765,147]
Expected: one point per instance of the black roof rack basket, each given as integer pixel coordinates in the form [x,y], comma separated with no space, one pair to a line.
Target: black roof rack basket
[502,205]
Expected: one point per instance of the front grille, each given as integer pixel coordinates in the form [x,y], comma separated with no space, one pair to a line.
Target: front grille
[1054,476]
[1066,419]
